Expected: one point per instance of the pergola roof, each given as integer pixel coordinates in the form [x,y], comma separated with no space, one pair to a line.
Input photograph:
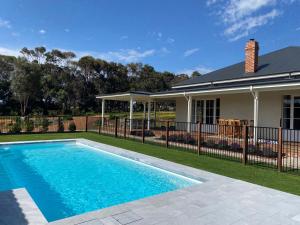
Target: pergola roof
[126,96]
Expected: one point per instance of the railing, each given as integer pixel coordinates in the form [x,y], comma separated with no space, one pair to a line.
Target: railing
[275,148]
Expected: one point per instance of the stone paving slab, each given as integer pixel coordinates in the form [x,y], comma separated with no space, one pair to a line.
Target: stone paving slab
[18,208]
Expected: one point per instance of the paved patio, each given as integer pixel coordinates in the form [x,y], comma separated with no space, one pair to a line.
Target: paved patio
[217,201]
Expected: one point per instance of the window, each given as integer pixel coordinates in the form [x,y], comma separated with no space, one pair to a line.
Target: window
[291,112]
[200,111]
[217,109]
[207,111]
[286,121]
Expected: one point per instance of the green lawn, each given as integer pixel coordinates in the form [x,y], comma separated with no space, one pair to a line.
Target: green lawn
[265,177]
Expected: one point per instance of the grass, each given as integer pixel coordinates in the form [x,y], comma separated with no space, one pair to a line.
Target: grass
[262,176]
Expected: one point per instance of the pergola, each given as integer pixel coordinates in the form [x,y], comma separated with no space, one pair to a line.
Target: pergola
[131,97]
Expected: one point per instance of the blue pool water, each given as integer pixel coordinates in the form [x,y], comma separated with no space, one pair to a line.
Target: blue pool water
[67,178]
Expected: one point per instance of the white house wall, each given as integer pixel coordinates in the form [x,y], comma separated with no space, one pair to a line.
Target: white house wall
[240,106]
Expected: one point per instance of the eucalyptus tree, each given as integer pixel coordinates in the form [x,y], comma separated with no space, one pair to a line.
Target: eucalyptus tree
[25,83]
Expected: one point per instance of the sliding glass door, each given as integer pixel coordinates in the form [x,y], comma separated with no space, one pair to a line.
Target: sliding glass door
[206,111]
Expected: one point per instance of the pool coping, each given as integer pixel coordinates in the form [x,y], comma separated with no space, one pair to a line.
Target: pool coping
[215,201]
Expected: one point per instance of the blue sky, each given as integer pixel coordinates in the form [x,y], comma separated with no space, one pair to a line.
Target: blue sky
[178,36]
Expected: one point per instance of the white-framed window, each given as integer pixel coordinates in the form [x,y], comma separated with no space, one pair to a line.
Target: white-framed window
[206,111]
[291,112]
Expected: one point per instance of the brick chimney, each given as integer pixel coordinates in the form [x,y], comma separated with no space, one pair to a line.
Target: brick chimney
[251,60]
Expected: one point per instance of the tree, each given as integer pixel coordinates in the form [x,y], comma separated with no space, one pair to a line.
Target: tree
[25,83]
[196,74]
[52,82]
[6,68]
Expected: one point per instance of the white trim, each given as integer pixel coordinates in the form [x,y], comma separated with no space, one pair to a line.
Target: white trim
[130,113]
[238,80]
[189,113]
[149,115]
[103,112]
[121,95]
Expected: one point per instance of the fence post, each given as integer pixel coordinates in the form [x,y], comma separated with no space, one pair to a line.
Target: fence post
[245,145]
[116,127]
[167,134]
[99,124]
[143,131]
[125,126]
[199,138]
[86,123]
[279,159]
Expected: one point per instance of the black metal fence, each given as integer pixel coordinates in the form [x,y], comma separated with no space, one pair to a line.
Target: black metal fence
[276,148]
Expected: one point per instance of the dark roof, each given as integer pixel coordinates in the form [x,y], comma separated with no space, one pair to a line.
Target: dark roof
[285,60]
[279,80]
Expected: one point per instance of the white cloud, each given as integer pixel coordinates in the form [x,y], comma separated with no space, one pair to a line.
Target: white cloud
[210,2]
[164,51]
[190,52]
[129,55]
[170,40]
[159,35]
[67,30]
[42,31]
[10,52]
[201,69]
[298,29]
[237,9]
[5,23]
[242,28]
[243,17]
[15,34]
[122,55]
[124,37]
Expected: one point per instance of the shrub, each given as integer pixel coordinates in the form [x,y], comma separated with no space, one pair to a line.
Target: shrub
[252,149]
[182,138]
[112,116]
[223,144]
[163,137]
[29,125]
[269,153]
[16,127]
[61,127]
[148,133]
[172,128]
[68,118]
[45,124]
[72,127]
[210,143]
[236,147]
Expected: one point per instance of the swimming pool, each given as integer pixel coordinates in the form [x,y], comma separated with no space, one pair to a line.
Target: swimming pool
[67,178]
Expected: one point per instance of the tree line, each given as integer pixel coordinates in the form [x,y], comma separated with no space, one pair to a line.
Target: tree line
[56,82]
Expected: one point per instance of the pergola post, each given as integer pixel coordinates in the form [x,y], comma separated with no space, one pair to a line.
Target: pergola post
[189,113]
[130,113]
[144,104]
[149,115]
[255,116]
[102,112]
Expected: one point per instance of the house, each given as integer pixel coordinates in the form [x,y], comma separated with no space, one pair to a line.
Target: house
[263,90]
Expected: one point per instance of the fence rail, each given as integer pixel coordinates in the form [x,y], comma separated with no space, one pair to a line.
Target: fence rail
[276,148]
